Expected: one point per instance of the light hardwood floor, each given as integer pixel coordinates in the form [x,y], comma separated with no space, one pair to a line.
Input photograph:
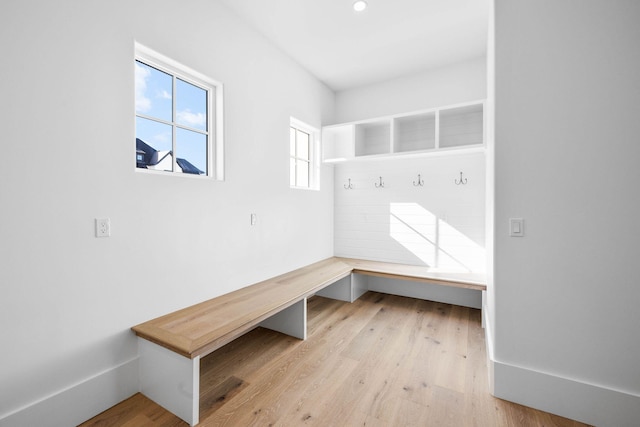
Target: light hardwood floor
[381,361]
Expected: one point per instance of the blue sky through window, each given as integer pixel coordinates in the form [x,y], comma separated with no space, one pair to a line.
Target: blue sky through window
[156,134]
[191,105]
[154,99]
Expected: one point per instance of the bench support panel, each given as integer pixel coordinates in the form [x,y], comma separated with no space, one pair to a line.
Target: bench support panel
[428,291]
[359,286]
[170,380]
[290,321]
[340,290]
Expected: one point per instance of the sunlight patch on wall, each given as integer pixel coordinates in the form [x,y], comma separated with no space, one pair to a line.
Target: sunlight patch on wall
[434,241]
[415,228]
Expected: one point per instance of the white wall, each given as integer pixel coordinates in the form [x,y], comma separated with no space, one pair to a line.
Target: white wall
[566,160]
[439,224]
[67,114]
[451,84]
[363,215]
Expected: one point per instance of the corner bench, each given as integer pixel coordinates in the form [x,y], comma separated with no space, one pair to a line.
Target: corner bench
[171,346]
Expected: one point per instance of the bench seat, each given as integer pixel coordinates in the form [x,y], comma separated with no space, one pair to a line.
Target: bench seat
[171,346]
[417,273]
[202,328]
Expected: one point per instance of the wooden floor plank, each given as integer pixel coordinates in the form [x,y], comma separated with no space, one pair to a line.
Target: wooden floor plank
[454,348]
[381,361]
[137,411]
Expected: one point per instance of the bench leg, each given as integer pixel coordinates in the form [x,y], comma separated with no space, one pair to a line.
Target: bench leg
[359,286]
[291,321]
[170,380]
[348,288]
[340,290]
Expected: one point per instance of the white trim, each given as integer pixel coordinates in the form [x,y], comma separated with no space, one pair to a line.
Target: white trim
[488,340]
[314,153]
[184,72]
[81,401]
[571,398]
[171,174]
[437,132]
[440,152]
[588,403]
[215,146]
[219,131]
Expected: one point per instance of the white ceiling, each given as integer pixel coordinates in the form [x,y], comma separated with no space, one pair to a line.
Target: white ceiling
[392,38]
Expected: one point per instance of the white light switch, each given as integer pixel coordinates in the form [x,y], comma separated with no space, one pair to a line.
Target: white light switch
[254,219]
[516,227]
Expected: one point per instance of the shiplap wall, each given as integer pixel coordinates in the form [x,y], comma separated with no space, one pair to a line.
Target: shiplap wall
[439,224]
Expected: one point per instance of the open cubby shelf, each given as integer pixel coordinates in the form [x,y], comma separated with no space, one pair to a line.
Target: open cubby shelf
[438,129]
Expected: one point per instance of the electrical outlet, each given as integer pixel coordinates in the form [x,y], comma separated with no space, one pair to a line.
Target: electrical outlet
[103,227]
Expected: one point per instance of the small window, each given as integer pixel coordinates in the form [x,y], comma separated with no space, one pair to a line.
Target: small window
[303,170]
[178,117]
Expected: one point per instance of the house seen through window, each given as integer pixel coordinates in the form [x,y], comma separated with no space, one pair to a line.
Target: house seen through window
[302,155]
[176,117]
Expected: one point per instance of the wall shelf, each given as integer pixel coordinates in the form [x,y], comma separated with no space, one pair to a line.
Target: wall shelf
[372,138]
[414,133]
[436,130]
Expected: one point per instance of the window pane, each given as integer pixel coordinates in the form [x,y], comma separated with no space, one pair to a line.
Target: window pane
[153,145]
[302,173]
[191,105]
[292,172]
[292,141]
[191,151]
[302,142]
[153,92]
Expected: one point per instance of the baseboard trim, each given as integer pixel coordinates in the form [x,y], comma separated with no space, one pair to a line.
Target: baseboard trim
[588,403]
[488,340]
[81,401]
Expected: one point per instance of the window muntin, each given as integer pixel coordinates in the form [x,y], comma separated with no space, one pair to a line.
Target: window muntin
[302,168]
[179,111]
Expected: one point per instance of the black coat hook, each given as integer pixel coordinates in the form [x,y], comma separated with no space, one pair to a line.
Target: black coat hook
[380,185]
[420,182]
[461,181]
[349,186]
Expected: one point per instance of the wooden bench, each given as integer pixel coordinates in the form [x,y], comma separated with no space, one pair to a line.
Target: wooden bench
[171,346]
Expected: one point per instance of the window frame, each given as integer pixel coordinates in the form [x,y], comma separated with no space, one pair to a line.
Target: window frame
[215,113]
[314,154]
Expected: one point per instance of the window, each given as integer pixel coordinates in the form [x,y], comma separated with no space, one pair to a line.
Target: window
[178,117]
[303,171]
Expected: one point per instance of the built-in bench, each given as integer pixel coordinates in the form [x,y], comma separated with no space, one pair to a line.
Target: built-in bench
[171,346]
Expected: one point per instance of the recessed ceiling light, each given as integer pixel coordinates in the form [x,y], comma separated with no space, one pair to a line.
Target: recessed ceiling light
[359,5]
